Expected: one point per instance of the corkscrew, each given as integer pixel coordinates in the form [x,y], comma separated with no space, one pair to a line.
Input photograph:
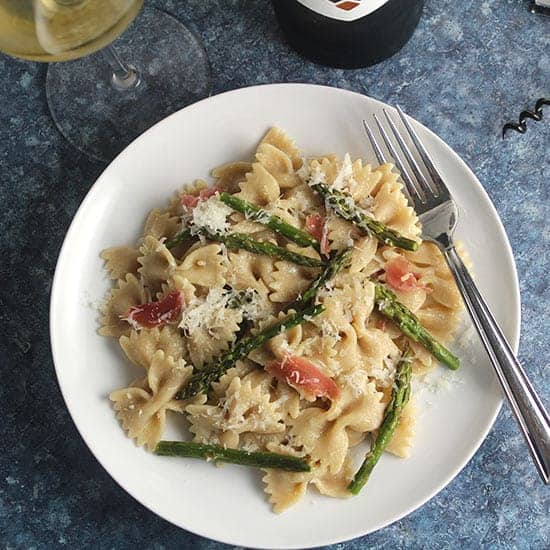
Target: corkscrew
[535,115]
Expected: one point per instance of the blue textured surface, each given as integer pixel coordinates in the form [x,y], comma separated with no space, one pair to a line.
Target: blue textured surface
[470,67]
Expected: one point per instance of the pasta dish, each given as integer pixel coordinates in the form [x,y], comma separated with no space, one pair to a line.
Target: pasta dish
[282,312]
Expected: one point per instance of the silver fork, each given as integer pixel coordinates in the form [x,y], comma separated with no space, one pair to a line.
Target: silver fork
[438,214]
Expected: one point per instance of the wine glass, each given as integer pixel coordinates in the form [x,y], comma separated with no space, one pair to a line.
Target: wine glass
[103,101]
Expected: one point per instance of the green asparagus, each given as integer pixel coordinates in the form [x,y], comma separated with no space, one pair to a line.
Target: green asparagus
[178,239]
[400,396]
[343,205]
[235,456]
[201,380]
[408,323]
[257,214]
[236,241]
[337,262]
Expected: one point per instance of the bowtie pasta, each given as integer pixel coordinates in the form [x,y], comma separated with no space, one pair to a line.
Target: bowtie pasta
[178,304]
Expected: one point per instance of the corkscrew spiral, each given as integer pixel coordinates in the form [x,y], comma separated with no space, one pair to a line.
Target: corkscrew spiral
[535,115]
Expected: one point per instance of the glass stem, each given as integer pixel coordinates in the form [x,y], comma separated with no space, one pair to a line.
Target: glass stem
[123,77]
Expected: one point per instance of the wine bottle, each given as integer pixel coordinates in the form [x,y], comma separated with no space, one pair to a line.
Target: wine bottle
[348,33]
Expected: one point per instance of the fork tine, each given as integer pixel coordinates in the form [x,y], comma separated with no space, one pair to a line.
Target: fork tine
[420,177]
[422,151]
[410,184]
[374,144]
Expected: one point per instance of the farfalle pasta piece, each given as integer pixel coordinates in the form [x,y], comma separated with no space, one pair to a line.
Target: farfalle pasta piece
[379,354]
[204,266]
[278,164]
[433,272]
[288,281]
[364,180]
[128,292]
[360,408]
[285,488]
[157,263]
[142,412]
[320,348]
[423,360]
[120,260]
[245,407]
[140,346]
[324,433]
[289,211]
[313,430]
[259,187]
[205,344]
[247,270]
[228,176]
[390,206]
[360,405]
[334,484]
[279,139]
[438,320]
[161,224]
[277,347]
[363,256]
[240,369]
[341,234]
[300,199]
[346,311]
[287,400]
[436,300]
[401,442]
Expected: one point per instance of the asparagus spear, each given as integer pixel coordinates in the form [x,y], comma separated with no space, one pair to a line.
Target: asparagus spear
[257,214]
[178,239]
[399,398]
[236,241]
[336,263]
[343,205]
[201,380]
[406,320]
[235,456]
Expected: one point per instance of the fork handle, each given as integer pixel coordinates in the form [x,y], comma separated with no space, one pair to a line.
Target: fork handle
[526,404]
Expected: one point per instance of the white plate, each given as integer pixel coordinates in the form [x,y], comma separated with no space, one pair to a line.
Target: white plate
[227,504]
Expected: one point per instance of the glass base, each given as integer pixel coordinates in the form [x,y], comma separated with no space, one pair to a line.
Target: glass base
[99,116]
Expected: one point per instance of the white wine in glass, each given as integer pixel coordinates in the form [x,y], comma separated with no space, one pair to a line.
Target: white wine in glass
[101,103]
[59,30]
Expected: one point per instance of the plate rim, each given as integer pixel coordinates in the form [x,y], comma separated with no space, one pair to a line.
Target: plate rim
[55,295]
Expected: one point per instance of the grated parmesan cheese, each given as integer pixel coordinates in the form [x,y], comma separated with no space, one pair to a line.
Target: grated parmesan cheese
[212,215]
[356,380]
[253,307]
[250,447]
[329,330]
[209,312]
[345,175]
[385,373]
[316,176]
[304,171]
[366,203]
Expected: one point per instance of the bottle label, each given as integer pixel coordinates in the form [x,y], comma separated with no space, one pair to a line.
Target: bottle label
[343,10]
